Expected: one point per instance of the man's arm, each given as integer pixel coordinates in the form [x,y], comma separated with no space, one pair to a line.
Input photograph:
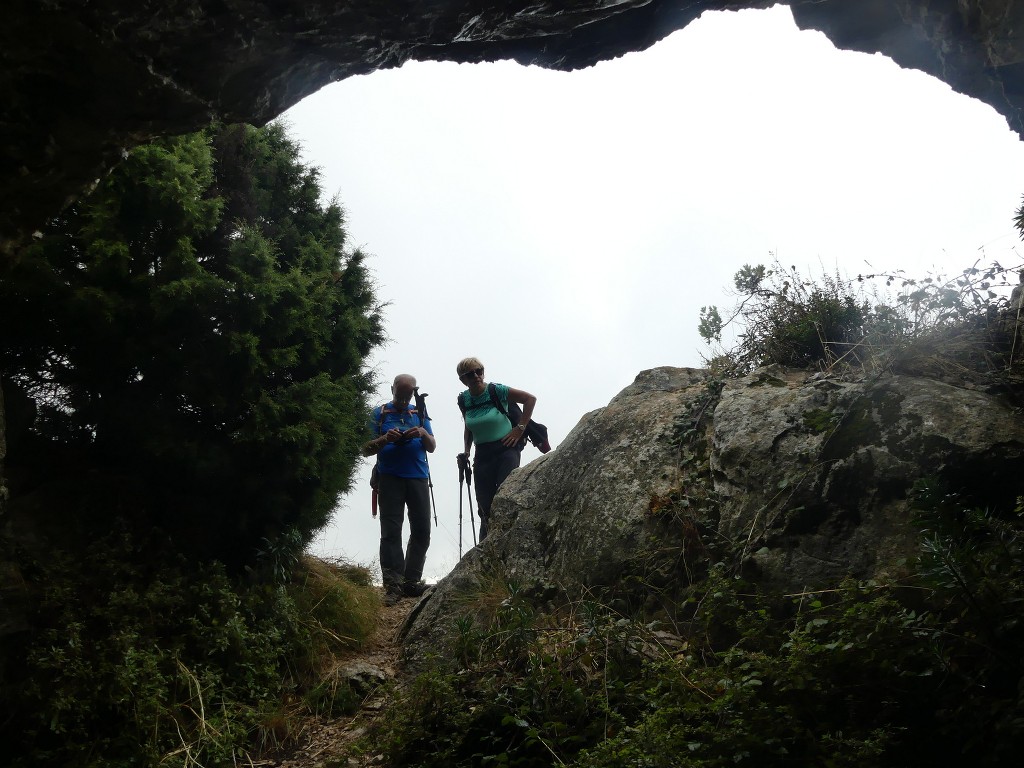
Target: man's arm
[372,448]
[429,443]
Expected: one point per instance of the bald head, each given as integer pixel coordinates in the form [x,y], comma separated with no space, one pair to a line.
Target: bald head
[403,379]
[403,388]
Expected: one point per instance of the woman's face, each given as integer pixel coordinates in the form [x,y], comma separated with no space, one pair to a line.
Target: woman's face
[474,379]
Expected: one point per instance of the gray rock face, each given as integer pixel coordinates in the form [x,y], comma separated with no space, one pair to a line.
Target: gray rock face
[574,517]
[812,476]
[3,456]
[80,82]
[568,516]
[814,473]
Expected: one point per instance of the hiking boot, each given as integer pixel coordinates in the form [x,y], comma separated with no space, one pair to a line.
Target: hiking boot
[392,592]
[414,588]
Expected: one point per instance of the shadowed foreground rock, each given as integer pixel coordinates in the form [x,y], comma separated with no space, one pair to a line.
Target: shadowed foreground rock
[812,475]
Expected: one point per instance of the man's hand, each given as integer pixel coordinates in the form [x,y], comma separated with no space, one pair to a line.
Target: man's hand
[392,435]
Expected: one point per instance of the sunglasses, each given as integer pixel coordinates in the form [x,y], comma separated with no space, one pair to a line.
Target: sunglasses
[474,372]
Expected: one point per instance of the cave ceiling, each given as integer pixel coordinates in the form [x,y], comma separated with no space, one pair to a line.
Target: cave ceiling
[84,80]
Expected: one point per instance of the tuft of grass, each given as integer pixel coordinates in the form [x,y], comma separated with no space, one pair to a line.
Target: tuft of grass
[338,604]
[339,610]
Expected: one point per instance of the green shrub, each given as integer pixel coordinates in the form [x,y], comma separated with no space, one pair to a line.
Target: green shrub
[926,672]
[531,695]
[192,336]
[786,319]
[138,657]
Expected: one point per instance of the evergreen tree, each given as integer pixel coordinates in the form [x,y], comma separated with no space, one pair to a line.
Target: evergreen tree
[193,337]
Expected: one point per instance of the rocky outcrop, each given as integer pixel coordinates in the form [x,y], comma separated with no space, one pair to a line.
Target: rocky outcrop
[3,456]
[574,518]
[806,480]
[81,82]
[813,472]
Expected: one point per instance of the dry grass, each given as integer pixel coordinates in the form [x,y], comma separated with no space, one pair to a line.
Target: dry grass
[339,605]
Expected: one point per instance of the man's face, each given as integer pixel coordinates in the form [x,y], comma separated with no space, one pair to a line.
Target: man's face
[402,392]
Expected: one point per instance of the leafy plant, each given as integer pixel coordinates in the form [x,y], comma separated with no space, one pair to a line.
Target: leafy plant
[923,672]
[192,337]
[146,660]
[787,319]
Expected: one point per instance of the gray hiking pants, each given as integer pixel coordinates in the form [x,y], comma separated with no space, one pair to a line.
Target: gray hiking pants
[394,494]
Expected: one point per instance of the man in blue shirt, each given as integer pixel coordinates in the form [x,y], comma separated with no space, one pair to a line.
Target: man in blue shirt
[403,439]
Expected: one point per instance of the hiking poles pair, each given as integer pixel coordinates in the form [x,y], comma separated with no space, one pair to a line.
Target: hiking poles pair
[421,408]
[465,474]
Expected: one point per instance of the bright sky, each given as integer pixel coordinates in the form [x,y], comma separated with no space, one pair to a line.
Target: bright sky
[566,228]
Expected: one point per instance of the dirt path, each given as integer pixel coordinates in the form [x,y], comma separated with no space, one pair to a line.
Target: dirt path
[325,741]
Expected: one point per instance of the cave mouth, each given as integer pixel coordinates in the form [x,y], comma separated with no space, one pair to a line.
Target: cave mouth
[627,196]
[81,85]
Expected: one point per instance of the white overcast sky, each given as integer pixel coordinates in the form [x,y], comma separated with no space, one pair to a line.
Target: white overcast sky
[566,228]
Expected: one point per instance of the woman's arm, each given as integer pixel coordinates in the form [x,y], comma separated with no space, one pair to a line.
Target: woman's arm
[528,402]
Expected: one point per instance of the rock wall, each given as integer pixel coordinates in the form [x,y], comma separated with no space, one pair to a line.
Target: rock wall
[813,472]
[3,457]
[810,478]
[81,82]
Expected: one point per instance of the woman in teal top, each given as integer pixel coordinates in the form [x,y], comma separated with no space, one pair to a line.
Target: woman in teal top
[498,442]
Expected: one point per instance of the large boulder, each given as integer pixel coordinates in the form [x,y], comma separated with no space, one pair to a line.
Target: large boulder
[573,519]
[814,473]
[804,479]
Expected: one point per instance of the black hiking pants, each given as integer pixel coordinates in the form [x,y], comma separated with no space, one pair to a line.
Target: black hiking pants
[492,463]
[394,494]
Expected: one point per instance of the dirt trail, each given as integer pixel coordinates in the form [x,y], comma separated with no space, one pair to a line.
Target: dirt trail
[324,741]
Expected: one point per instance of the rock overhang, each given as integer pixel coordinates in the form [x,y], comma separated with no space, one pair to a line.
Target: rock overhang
[82,82]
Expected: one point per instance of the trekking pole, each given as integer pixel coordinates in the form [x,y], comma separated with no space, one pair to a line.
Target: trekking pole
[430,485]
[374,483]
[465,473]
[421,408]
[462,477]
[469,495]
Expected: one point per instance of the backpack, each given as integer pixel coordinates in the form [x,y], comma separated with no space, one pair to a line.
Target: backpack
[374,474]
[536,432]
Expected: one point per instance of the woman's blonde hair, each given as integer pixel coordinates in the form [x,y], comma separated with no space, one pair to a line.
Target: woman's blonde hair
[468,364]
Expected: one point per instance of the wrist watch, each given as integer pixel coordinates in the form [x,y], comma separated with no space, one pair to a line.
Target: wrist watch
[521,426]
